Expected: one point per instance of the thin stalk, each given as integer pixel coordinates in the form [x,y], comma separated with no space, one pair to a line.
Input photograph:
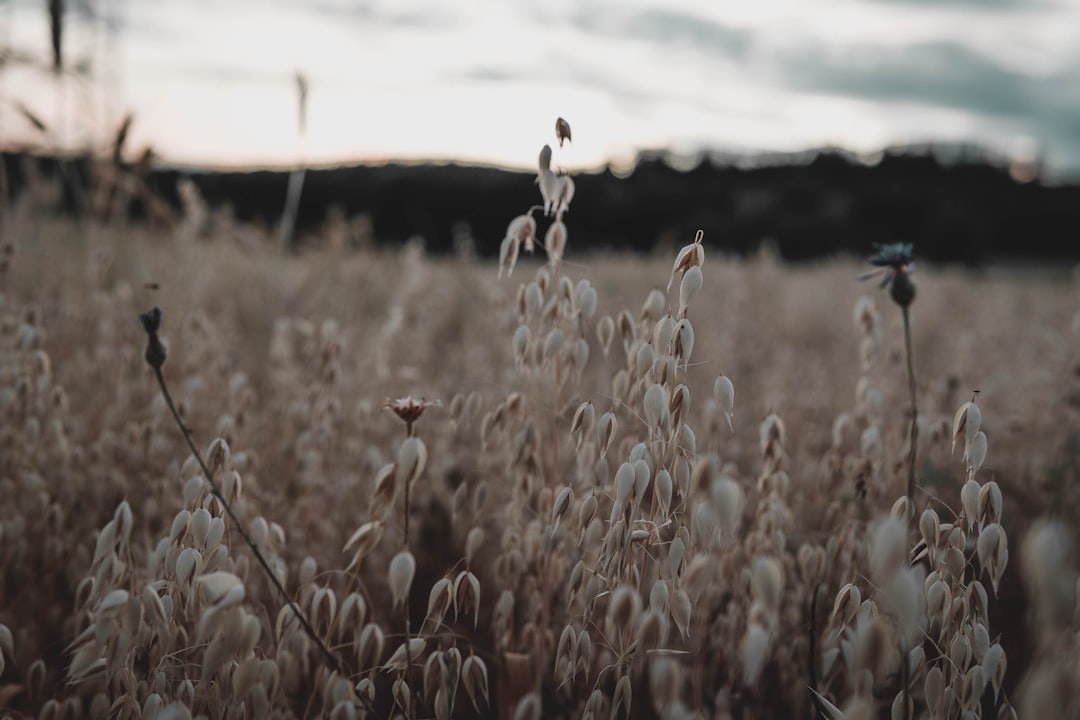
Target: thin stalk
[914,419]
[408,632]
[545,581]
[811,655]
[331,659]
[910,485]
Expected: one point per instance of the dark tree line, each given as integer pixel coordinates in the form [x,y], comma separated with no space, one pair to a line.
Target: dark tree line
[828,205]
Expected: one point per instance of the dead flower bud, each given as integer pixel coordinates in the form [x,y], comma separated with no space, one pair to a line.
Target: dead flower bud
[409,409]
[562,130]
[895,262]
[155,351]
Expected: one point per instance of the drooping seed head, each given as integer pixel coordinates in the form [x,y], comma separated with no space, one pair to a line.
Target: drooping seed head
[400,577]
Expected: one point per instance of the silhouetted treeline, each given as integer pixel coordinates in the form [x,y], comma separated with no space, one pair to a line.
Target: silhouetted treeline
[964,212]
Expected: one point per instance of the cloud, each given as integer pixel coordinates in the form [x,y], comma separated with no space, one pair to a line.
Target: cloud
[666,28]
[948,75]
[981,6]
[400,17]
[942,74]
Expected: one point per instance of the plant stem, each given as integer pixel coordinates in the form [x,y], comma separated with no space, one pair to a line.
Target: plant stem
[914,420]
[331,659]
[910,485]
[408,632]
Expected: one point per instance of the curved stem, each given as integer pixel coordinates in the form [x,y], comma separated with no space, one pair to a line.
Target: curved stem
[331,659]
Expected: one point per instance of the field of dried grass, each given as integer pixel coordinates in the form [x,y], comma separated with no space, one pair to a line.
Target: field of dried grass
[573,529]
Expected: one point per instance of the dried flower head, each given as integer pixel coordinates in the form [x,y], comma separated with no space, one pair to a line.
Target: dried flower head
[895,263]
[409,409]
[155,351]
[562,130]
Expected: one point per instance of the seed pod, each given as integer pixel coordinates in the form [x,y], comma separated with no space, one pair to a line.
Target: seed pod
[681,609]
[623,611]
[642,475]
[411,459]
[663,488]
[584,421]
[567,647]
[934,689]
[683,342]
[724,392]
[990,503]
[200,527]
[365,539]
[562,503]
[605,332]
[846,605]
[689,288]
[385,489]
[755,648]
[727,498]
[605,431]
[467,595]
[586,301]
[182,521]
[976,453]
[473,542]
[402,569]
[656,406]
[689,256]
[475,677]
[555,240]
[966,424]
[930,527]
[520,345]
[587,511]
[439,600]
[404,654]
[643,360]
[653,307]
[528,708]
[663,331]
[767,582]
[994,664]
[624,482]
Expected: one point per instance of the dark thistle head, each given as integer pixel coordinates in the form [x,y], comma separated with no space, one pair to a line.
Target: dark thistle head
[895,263]
[155,351]
[151,320]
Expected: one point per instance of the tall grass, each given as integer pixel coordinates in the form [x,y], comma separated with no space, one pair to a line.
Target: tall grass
[588,535]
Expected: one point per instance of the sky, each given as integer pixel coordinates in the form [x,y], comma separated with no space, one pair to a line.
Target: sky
[213,82]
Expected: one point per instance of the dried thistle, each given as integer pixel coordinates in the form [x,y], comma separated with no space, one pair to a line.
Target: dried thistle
[155,351]
[895,263]
[409,409]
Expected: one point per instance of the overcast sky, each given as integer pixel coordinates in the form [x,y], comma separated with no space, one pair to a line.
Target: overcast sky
[212,81]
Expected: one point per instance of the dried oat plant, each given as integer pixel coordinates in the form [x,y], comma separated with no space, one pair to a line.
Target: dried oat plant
[588,525]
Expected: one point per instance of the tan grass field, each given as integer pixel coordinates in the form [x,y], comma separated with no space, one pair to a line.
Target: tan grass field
[691,569]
